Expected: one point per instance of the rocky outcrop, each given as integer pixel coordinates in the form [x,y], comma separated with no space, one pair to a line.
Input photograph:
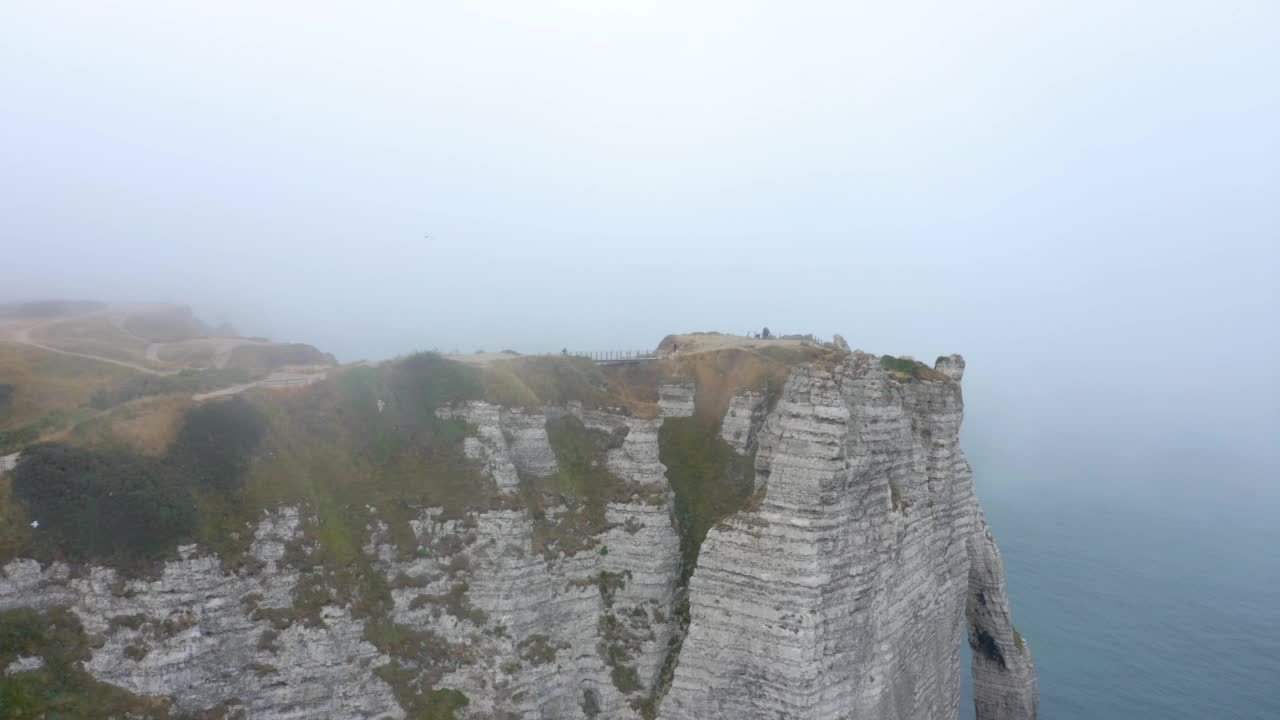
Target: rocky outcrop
[1004,679]
[743,418]
[633,457]
[507,441]
[950,365]
[676,400]
[205,636]
[526,433]
[845,588]
[539,634]
[844,594]
[24,663]
[544,633]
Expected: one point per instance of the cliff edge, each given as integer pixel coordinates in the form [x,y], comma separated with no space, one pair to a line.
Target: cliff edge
[740,528]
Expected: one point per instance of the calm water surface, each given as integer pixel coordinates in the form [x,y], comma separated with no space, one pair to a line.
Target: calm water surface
[1146,589]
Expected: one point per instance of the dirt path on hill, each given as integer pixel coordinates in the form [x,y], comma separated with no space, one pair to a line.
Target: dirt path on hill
[275,381]
[23,337]
[222,348]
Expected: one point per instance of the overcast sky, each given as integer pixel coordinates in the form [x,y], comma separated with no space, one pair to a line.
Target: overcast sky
[1083,197]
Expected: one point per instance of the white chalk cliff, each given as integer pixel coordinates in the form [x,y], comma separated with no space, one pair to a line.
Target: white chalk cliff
[846,593]
[844,590]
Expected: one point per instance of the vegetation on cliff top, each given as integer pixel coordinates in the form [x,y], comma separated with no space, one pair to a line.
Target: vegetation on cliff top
[368,443]
[101,505]
[119,506]
[903,368]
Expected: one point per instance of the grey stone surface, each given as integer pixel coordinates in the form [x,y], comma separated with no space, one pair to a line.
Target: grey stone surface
[24,663]
[952,366]
[845,593]
[742,419]
[508,441]
[554,601]
[1004,678]
[676,400]
[526,434]
[635,459]
[202,643]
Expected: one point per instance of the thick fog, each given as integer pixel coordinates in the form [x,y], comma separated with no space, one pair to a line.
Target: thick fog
[1081,197]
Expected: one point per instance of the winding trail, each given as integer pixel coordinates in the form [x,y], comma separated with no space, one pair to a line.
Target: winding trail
[23,337]
[278,380]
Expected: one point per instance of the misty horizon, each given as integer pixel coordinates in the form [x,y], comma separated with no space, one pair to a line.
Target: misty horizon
[1081,198]
[1066,202]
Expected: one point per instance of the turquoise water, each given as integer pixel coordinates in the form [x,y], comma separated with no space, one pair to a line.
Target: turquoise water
[1148,587]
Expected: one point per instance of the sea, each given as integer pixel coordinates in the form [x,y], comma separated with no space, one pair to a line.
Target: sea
[1146,582]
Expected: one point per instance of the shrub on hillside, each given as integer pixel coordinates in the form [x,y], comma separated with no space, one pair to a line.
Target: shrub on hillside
[96,505]
[905,366]
[912,368]
[125,508]
[217,442]
[426,381]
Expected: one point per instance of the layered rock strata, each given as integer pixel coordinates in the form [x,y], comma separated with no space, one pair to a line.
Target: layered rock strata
[676,400]
[508,441]
[845,593]
[743,419]
[1004,678]
[544,634]
[635,457]
[846,590]
[206,637]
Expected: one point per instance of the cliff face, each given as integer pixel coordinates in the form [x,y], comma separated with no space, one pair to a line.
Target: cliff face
[196,633]
[843,588]
[844,593]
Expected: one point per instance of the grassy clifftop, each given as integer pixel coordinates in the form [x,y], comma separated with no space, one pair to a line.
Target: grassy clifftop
[365,436]
[135,467]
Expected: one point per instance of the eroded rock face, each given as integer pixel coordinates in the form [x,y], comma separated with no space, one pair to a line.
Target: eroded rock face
[526,433]
[193,633]
[635,457]
[1004,678]
[952,366]
[743,419]
[508,441]
[24,663]
[538,629]
[539,633]
[845,593]
[676,400]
